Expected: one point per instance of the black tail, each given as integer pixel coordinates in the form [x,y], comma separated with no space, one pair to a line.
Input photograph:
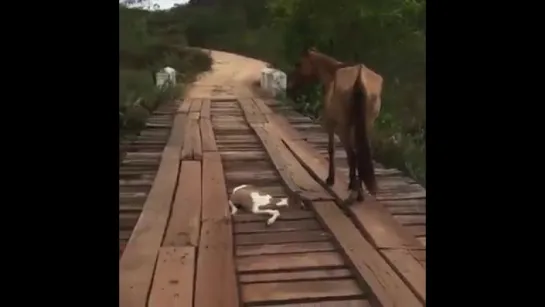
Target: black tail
[366,172]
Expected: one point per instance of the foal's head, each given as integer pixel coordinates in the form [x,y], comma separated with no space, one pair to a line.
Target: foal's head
[311,66]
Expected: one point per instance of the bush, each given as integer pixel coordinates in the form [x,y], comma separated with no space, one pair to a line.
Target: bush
[149,42]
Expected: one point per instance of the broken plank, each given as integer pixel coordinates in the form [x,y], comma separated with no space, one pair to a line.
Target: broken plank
[173,280]
[214,196]
[387,286]
[205,109]
[300,290]
[207,134]
[184,106]
[184,225]
[196,106]
[215,266]
[289,262]
[192,149]
[137,263]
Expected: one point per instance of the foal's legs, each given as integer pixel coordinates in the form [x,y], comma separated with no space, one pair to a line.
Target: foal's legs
[331,151]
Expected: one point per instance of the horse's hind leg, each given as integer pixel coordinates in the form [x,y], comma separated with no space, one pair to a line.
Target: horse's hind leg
[353,181]
[331,151]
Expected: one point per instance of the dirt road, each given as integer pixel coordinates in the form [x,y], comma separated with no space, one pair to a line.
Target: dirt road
[231,75]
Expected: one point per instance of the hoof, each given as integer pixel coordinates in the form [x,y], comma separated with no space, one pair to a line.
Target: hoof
[330,181]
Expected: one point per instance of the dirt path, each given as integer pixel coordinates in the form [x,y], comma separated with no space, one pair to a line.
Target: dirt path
[231,75]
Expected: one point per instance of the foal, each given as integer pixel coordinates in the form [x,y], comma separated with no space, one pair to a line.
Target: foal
[352,100]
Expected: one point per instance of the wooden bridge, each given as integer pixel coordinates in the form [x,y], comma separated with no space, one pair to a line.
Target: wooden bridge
[179,246]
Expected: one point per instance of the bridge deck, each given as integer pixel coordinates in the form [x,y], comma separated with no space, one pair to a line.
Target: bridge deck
[180,247]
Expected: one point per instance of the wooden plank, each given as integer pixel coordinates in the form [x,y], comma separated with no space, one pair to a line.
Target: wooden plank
[404,263]
[184,225]
[281,237]
[215,266]
[251,112]
[137,263]
[293,174]
[207,134]
[289,262]
[192,149]
[297,275]
[299,290]
[184,106]
[343,303]
[278,226]
[286,248]
[196,106]
[262,107]
[215,263]
[173,280]
[385,284]
[284,216]
[214,196]
[370,216]
[205,110]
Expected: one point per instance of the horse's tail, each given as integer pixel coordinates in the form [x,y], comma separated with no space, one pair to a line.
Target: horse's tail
[364,162]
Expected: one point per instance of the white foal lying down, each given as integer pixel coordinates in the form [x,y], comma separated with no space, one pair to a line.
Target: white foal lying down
[250,199]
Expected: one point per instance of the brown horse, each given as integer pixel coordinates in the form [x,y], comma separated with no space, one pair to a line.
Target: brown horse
[352,100]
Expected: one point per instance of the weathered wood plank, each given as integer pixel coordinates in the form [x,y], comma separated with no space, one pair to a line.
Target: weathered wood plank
[293,174]
[370,216]
[184,225]
[404,263]
[205,109]
[207,134]
[262,107]
[297,275]
[192,146]
[286,248]
[387,286]
[196,106]
[137,263]
[173,282]
[184,106]
[252,114]
[289,261]
[215,263]
[214,195]
[300,290]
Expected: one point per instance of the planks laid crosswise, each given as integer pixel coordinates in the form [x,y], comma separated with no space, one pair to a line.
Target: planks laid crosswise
[187,250]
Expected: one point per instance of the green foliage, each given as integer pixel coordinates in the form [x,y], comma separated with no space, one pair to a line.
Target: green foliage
[149,41]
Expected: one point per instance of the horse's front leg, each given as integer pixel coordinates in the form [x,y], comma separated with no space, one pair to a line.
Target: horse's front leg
[331,151]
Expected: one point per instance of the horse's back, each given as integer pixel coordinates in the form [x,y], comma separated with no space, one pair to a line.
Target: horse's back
[344,84]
